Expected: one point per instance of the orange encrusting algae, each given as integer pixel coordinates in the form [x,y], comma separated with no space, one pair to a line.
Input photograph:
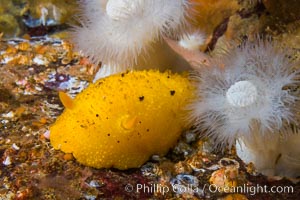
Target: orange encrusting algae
[121,120]
[208,14]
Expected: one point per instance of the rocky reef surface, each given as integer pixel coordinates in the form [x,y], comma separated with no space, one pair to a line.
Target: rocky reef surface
[36,61]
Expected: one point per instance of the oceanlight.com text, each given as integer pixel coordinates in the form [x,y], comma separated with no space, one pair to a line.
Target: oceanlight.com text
[251,189]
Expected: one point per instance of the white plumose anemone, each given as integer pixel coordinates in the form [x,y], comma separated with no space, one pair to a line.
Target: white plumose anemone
[273,155]
[125,34]
[192,41]
[247,95]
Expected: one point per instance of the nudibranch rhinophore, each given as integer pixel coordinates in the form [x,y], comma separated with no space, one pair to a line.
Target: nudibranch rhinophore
[121,120]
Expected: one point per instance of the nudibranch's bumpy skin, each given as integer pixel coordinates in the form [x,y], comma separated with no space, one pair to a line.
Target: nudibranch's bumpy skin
[126,34]
[121,120]
[248,94]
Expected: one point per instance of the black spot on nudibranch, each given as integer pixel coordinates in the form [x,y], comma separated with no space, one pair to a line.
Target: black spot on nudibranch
[83,126]
[118,141]
[147,130]
[108,134]
[97,115]
[172,92]
[141,98]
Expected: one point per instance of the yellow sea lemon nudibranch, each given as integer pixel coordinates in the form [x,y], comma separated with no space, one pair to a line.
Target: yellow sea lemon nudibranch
[121,120]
